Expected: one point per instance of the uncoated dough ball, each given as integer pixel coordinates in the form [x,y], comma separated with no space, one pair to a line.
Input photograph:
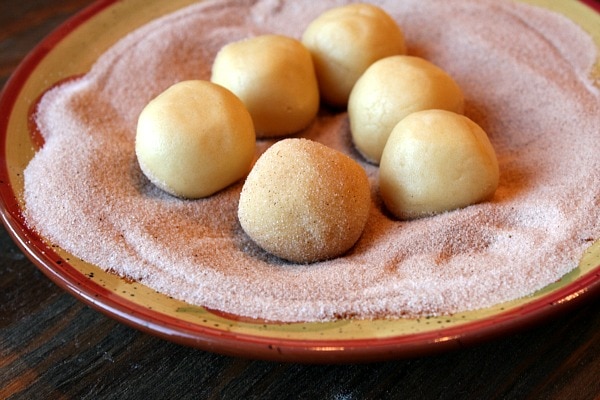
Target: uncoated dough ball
[388,91]
[274,77]
[436,161]
[304,201]
[345,41]
[195,139]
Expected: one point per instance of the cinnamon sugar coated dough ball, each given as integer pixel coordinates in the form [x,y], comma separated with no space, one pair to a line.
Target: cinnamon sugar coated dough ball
[274,77]
[389,90]
[344,41]
[304,201]
[195,139]
[436,161]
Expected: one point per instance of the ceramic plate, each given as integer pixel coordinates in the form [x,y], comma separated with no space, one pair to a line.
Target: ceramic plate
[70,51]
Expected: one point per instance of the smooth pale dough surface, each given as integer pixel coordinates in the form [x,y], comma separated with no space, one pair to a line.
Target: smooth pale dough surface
[345,41]
[435,161]
[304,201]
[388,91]
[194,139]
[274,77]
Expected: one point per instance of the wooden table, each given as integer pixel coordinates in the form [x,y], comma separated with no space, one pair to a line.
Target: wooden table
[52,346]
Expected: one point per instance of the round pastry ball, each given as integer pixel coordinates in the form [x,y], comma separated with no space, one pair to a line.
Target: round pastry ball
[304,201]
[388,91]
[195,139]
[345,41]
[274,77]
[435,161]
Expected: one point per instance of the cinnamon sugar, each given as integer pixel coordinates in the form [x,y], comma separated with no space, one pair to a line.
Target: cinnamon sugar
[525,74]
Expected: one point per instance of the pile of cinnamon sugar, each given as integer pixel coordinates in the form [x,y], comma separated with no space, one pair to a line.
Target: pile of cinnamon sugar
[525,73]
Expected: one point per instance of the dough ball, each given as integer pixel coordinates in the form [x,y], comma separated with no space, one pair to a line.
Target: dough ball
[304,201]
[435,161]
[274,77]
[388,91]
[195,139]
[344,41]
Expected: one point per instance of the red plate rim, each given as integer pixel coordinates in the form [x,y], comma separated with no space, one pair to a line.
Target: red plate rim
[595,4]
[244,345]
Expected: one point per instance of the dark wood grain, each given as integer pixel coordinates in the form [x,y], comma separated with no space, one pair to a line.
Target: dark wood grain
[54,347]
